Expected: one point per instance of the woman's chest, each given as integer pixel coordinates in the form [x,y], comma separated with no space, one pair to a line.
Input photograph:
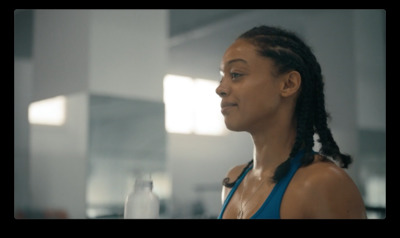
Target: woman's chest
[247,200]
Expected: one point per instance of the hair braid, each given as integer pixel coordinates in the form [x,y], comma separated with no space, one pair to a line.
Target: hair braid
[328,144]
[226,182]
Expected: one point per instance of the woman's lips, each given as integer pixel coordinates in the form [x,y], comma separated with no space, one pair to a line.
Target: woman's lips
[226,106]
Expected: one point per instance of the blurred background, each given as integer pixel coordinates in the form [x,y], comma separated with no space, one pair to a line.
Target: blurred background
[103,95]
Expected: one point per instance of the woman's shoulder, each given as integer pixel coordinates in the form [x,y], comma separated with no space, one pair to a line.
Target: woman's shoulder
[235,171]
[327,190]
[323,171]
[231,176]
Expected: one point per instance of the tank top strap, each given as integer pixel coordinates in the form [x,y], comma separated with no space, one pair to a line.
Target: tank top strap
[237,183]
[271,207]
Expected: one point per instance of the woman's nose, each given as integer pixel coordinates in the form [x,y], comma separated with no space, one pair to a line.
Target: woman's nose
[222,90]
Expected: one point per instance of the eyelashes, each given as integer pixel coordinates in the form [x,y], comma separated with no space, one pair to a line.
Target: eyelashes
[233,75]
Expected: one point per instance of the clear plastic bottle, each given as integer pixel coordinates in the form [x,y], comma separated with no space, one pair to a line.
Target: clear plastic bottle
[142,203]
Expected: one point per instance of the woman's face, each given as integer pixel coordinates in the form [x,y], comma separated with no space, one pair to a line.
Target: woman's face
[249,91]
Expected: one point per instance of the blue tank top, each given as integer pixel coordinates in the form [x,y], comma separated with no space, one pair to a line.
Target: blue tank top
[270,209]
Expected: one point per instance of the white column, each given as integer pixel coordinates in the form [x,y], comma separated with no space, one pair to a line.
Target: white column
[75,53]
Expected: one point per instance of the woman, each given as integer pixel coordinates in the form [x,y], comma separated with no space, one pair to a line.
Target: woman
[272,87]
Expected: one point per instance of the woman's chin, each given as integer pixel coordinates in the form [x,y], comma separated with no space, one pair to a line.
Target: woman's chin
[233,127]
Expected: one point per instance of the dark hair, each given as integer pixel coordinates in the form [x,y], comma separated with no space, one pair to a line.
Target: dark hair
[289,52]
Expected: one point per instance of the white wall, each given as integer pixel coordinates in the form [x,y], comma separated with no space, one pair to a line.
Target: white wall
[59,161]
[102,51]
[57,155]
[370,51]
[76,53]
[23,75]
[60,52]
[128,52]
[370,64]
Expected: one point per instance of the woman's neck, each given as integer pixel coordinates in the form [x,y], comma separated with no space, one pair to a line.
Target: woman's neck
[272,146]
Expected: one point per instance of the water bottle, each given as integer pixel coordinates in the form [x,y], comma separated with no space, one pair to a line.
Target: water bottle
[142,203]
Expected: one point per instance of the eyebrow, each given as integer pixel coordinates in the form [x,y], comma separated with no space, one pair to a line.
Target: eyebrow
[234,61]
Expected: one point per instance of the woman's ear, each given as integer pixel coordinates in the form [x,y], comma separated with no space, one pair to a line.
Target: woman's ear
[291,82]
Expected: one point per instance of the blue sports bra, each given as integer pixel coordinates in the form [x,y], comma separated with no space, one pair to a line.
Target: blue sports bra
[270,209]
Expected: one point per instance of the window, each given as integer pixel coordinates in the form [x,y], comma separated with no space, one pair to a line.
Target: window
[192,106]
[48,112]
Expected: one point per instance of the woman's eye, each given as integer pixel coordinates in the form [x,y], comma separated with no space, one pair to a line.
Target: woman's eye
[235,75]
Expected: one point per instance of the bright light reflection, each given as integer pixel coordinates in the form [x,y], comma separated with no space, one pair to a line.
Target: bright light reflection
[48,112]
[178,106]
[208,118]
[162,185]
[192,106]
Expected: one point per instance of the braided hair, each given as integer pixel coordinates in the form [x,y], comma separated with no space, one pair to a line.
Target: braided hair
[289,52]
